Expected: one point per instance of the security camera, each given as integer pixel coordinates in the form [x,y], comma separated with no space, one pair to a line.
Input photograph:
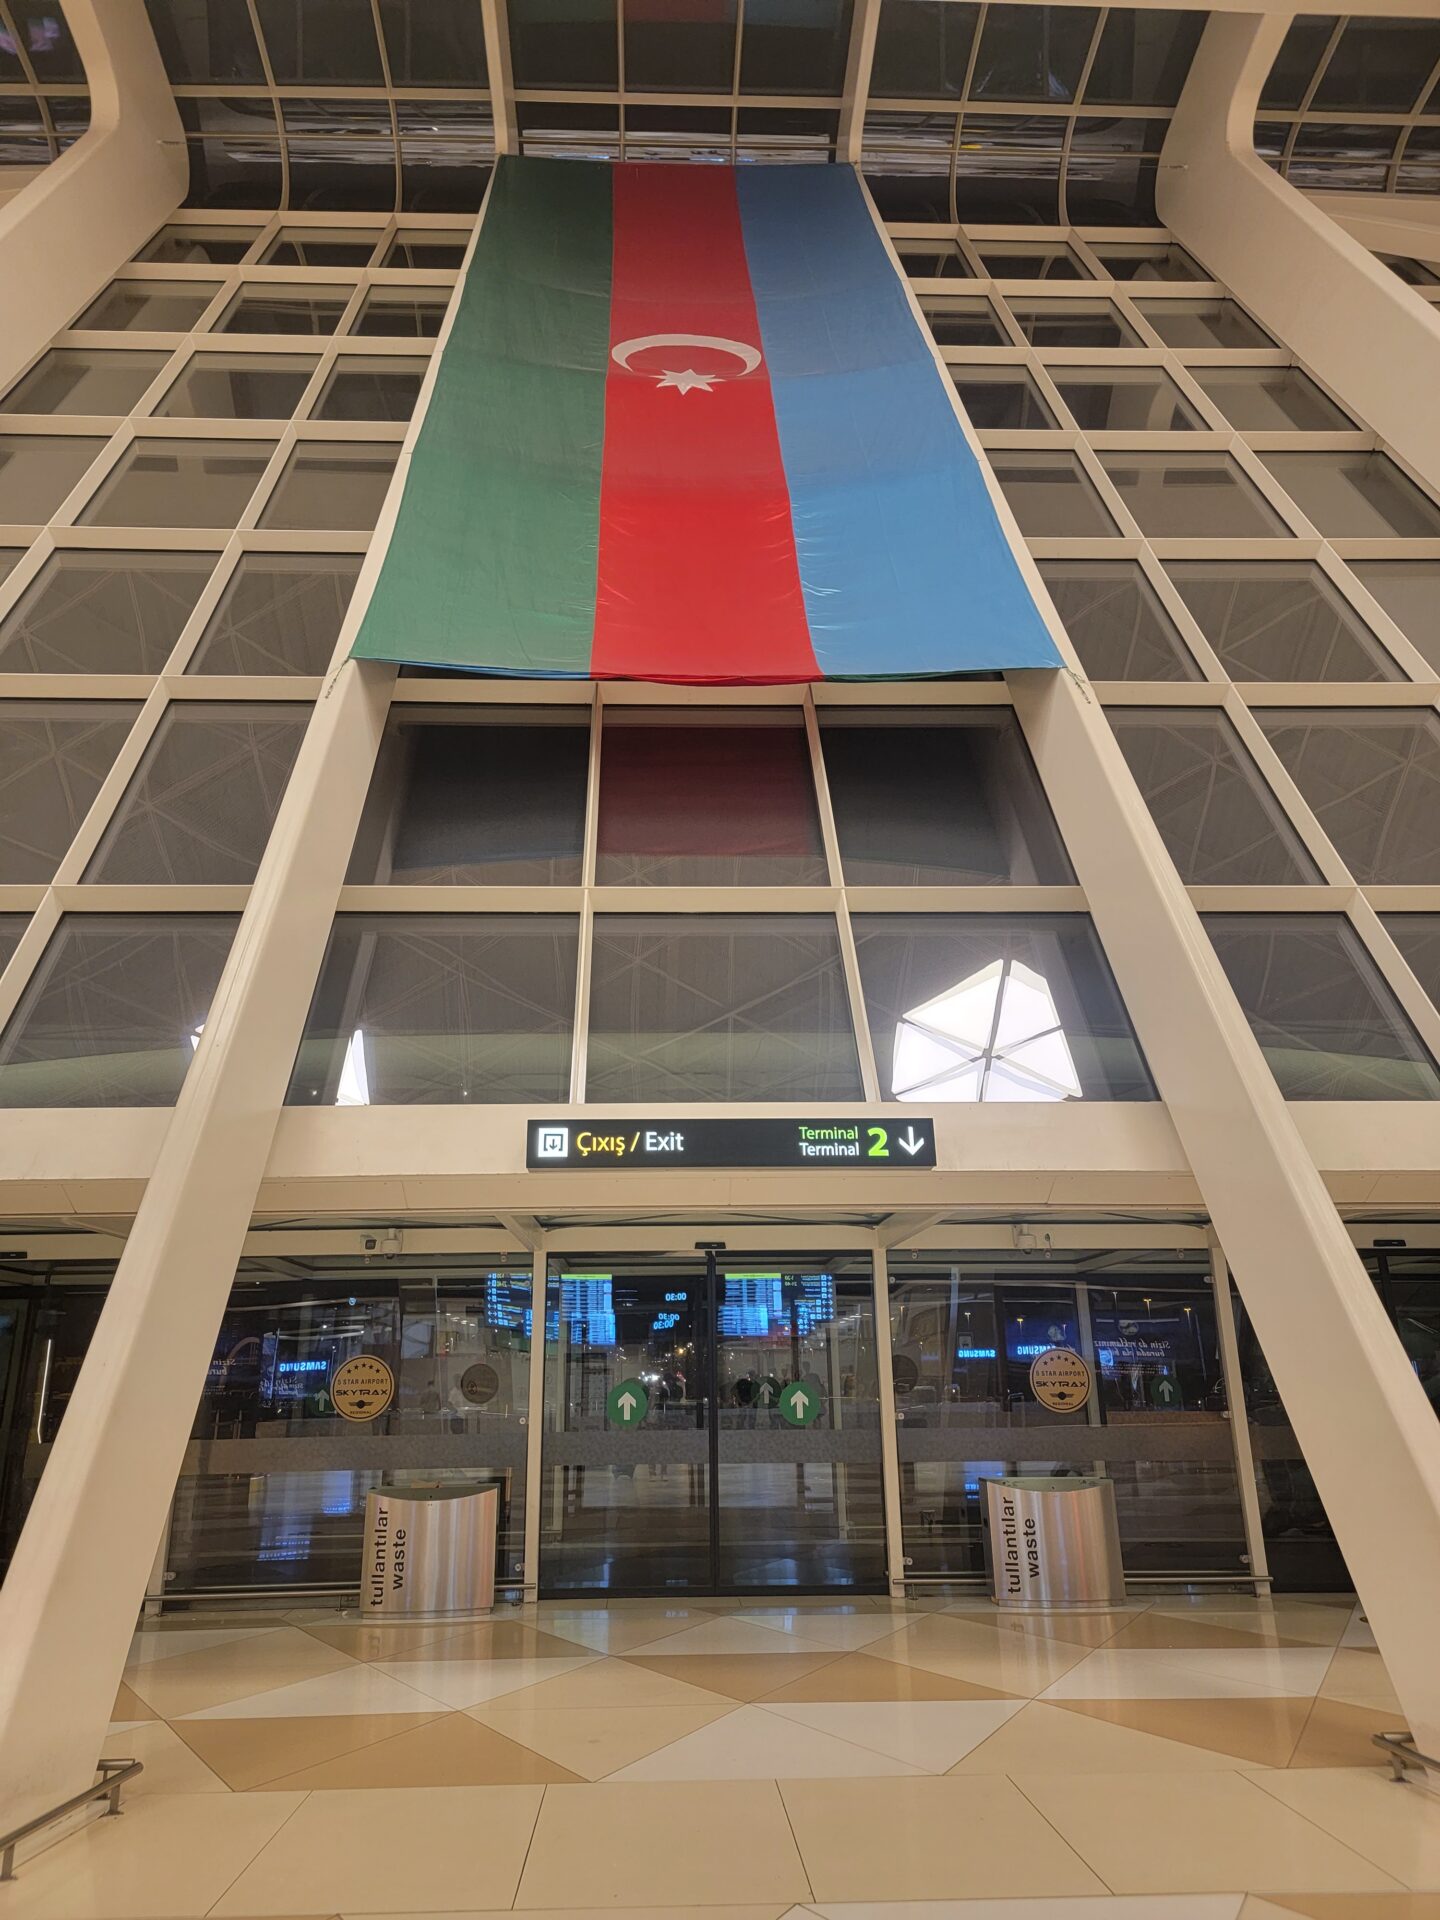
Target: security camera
[386,1244]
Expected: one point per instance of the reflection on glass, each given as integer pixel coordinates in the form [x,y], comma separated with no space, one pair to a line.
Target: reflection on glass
[995,1007]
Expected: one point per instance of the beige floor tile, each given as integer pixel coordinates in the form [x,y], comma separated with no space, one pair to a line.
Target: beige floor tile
[933,1735]
[663,1845]
[928,1839]
[737,1676]
[1396,1827]
[500,1640]
[735,1635]
[375,1639]
[1096,1629]
[1260,1733]
[1299,1623]
[170,1766]
[392,1849]
[1197,1833]
[1344,1906]
[247,1754]
[192,1681]
[616,1632]
[594,1741]
[1021,1664]
[1165,1630]
[860,1677]
[1044,1738]
[129,1706]
[843,1632]
[465,1683]
[612,1683]
[753,1744]
[1359,1677]
[1339,1735]
[776,1910]
[455,1751]
[156,1862]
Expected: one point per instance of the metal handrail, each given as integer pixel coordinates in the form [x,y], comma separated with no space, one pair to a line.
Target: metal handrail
[114,1774]
[1401,1751]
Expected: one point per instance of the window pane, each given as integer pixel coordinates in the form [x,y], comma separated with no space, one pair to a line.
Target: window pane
[10,558]
[685,51]
[150,306]
[179,483]
[964,323]
[284,309]
[726,1007]
[12,925]
[1124,399]
[458,797]
[708,805]
[571,44]
[281,613]
[1279,621]
[320,247]
[1051,494]
[1326,1021]
[1417,935]
[1192,495]
[1032,53]
[790,50]
[198,246]
[102,612]
[84,380]
[433,1010]
[1355,495]
[939,259]
[333,44]
[1115,619]
[426,247]
[1001,397]
[922,49]
[239,386]
[1220,823]
[204,797]
[1272,397]
[955,804]
[1072,323]
[397,310]
[37,471]
[362,388]
[112,1014]
[967,1007]
[1031,260]
[332,483]
[1203,323]
[1373,781]
[1409,591]
[1145,260]
[55,754]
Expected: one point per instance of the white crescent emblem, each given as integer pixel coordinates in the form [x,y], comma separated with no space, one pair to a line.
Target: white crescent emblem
[687,380]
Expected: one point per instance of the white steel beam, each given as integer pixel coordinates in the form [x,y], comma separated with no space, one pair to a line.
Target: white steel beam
[87,213]
[864,24]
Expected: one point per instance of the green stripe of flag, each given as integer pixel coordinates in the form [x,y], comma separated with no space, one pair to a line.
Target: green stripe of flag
[503,493]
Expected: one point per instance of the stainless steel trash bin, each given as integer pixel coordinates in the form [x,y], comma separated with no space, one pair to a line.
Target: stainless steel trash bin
[1052,1540]
[429,1550]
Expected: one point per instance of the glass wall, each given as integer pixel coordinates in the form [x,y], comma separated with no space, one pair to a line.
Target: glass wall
[965,1330]
[272,1494]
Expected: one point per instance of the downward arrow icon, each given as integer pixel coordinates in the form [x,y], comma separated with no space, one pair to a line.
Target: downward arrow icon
[912,1141]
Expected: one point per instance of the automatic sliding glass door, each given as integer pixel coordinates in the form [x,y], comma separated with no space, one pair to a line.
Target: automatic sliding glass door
[711,1426]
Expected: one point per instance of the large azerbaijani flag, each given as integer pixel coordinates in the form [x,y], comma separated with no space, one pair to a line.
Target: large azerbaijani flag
[687,428]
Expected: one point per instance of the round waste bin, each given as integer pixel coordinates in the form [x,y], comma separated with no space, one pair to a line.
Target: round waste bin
[1052,1540]
[429,1550]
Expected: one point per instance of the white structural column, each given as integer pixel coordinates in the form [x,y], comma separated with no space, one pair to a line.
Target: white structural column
[86,214]
[1368,1432]
[1300,273]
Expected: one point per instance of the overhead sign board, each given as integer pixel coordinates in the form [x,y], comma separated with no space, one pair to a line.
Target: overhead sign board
[611,1143]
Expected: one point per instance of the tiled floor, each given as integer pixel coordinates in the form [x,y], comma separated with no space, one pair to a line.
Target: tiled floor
[1176,1759]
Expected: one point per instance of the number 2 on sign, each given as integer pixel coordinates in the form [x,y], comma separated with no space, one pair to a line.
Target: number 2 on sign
[879,1144]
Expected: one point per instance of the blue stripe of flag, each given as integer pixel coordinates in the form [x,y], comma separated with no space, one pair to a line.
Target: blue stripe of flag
[903,563]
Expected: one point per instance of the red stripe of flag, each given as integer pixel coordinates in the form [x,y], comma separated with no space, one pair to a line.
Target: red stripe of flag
[698,579]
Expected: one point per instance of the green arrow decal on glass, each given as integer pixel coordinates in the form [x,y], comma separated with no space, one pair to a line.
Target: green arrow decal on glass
[799,1404]
[627,1404]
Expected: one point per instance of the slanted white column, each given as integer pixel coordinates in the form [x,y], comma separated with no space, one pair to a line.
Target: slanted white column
[1299,272]
[87,213]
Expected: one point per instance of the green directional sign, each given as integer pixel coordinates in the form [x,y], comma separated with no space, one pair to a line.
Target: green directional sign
[627,1404]
[799,1404]
[1164,1392]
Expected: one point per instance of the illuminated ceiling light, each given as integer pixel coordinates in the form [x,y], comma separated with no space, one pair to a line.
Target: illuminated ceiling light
[354,1087]
[994,1036]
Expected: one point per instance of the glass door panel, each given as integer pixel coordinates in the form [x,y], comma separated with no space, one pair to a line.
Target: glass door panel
[964,1336]
[800,1500]
[626,1487]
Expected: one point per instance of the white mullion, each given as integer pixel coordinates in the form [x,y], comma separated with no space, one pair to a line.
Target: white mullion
[1077,105]
[1282,785]
[845,933]
[1239,1418]
[18,972]
[581,1024]
[1412,998]
[112,788]
[1401,648]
